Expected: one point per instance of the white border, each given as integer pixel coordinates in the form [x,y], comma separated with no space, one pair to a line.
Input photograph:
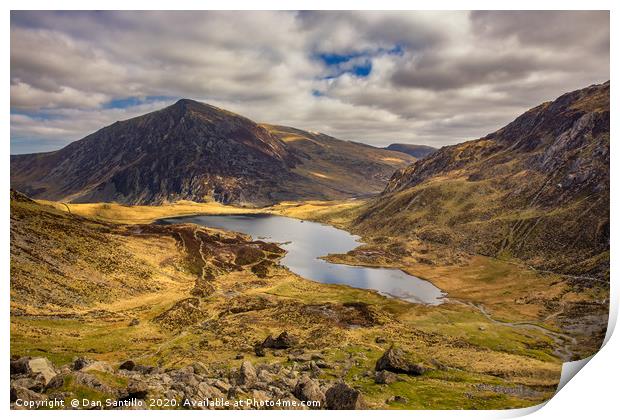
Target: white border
[592,395]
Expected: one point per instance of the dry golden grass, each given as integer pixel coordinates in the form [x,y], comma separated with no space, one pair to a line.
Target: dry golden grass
[118,213]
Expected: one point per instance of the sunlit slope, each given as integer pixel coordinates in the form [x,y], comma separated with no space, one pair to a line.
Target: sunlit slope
[536,190]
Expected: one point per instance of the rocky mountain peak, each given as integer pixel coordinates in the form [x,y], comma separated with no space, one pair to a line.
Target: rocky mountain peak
[195,151]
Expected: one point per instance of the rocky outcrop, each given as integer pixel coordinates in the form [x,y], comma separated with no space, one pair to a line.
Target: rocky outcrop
[191,387]
[183,313]
[38,368]
[282,341]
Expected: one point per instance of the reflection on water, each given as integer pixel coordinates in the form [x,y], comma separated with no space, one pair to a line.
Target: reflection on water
[307,241]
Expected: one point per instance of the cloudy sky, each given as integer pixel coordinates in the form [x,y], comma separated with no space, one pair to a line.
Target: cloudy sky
[431,78]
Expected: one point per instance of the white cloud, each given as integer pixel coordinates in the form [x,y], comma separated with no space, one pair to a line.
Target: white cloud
[436,78]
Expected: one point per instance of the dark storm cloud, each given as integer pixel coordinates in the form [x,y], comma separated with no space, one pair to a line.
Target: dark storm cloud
[379,77]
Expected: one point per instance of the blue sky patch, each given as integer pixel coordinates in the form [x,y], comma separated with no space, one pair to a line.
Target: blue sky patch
[134,101]
[358,64]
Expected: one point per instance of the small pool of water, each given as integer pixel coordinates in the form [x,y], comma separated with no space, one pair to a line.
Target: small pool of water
[306,241]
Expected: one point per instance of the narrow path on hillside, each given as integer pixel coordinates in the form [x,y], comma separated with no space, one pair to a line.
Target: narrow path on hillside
[563,341]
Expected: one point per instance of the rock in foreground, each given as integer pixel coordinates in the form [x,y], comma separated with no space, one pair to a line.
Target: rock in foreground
[395,360]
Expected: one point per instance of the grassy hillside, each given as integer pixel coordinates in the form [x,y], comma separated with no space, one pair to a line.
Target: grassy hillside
[171,296]
[536,191]
[342,168]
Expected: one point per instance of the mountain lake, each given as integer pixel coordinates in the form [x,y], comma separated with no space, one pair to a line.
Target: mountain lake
[305,242]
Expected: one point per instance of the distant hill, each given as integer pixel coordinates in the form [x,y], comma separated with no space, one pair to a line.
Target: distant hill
[194,151]
[537,190]
[416,150]
[340,167]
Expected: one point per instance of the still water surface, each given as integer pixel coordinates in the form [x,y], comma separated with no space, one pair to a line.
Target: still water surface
[306,241]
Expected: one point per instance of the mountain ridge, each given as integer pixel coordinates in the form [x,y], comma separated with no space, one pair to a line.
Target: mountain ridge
[536,189]
[192,151]
[418,151]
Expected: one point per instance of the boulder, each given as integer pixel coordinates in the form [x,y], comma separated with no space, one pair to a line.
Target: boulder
[247,374]
[259,350]
[56,382]
[185,376]
[20,366]
[221,385]
[80,363]
[43,368]
[308,389]
[283,341]
[397,399]
[135,389]
[395,360]
[385,377]
[24,394]
[127,365]
[206,391]
[90,381]
[342,397]
[305,357]
[29,383]
[146,370]
[97,366]
[264,375]
[200,368]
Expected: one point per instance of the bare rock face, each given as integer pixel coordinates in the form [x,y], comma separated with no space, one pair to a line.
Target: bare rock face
[395,360]
[342,397]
